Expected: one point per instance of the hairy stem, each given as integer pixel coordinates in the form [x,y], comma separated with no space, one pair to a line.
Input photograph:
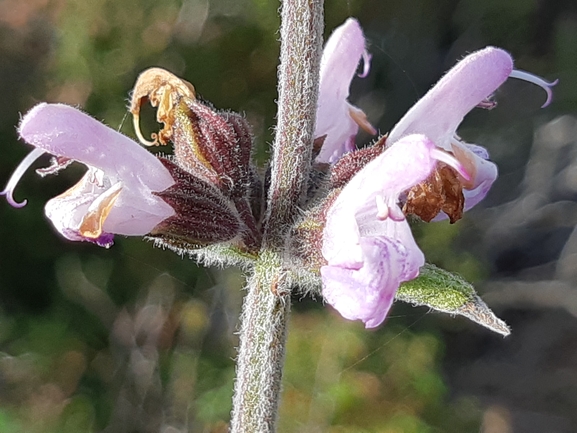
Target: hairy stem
[266,306]
[261,352]
[301,49]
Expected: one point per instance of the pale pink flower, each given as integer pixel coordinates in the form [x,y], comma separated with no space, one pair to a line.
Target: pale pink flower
[367,242]
[337,119]
[115,196]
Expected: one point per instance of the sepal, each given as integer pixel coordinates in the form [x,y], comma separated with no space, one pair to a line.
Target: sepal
[203,216]
[351,163]
[305,240]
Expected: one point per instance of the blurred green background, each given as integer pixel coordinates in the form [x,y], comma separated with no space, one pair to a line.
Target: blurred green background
[137,339]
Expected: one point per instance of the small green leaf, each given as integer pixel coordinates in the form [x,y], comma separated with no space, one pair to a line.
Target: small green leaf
[449,293]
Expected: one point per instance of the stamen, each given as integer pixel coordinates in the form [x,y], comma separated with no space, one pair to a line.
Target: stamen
[442,156]
[382,208]
[360,118]
[480,151]
[545,85]
[366,64]
[93,220]
[57,163]
[97,177]
[17,175]
[487,104]
[396,213]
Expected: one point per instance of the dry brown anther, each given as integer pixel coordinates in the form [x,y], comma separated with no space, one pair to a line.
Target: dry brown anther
[442,191]
[163,90]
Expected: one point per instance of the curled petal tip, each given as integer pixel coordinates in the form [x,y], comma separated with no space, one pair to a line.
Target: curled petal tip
[549,93]
[17,175]
[136,125]
[535,79]
[10,199]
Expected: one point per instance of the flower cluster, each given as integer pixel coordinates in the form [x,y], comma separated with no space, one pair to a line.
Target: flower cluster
[353,238]
[421,167]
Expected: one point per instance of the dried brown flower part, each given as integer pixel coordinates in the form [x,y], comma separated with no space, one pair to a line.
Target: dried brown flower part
[360,118]
[163,90]
[212,146]
[442,191]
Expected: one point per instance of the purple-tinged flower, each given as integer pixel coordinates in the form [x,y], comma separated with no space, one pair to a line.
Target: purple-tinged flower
[336,119]
[115,196]
[367,242]
[438,114]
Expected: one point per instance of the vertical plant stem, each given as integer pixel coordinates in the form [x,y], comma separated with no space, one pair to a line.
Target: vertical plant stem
[267,304]
[261,352]
[301,49]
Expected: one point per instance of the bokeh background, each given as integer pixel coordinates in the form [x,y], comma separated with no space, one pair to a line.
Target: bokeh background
[137,339]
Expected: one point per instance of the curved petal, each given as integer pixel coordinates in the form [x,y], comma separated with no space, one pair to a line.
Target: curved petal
[113,159]
[65,131]
[483,172]
[340,60]
[438,114]
[67,210]
[401,166]
[367,242]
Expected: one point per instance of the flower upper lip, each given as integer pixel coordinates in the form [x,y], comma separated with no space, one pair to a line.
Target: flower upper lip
[115,195]
[439,113]
[336,117]
[469,83]
[62,130]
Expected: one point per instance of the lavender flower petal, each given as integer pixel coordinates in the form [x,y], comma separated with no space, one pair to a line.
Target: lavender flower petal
[341,56]
[438,114]
[116,194]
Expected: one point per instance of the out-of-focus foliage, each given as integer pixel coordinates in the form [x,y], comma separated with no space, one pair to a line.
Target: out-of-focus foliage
[136,339]
[339,379]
